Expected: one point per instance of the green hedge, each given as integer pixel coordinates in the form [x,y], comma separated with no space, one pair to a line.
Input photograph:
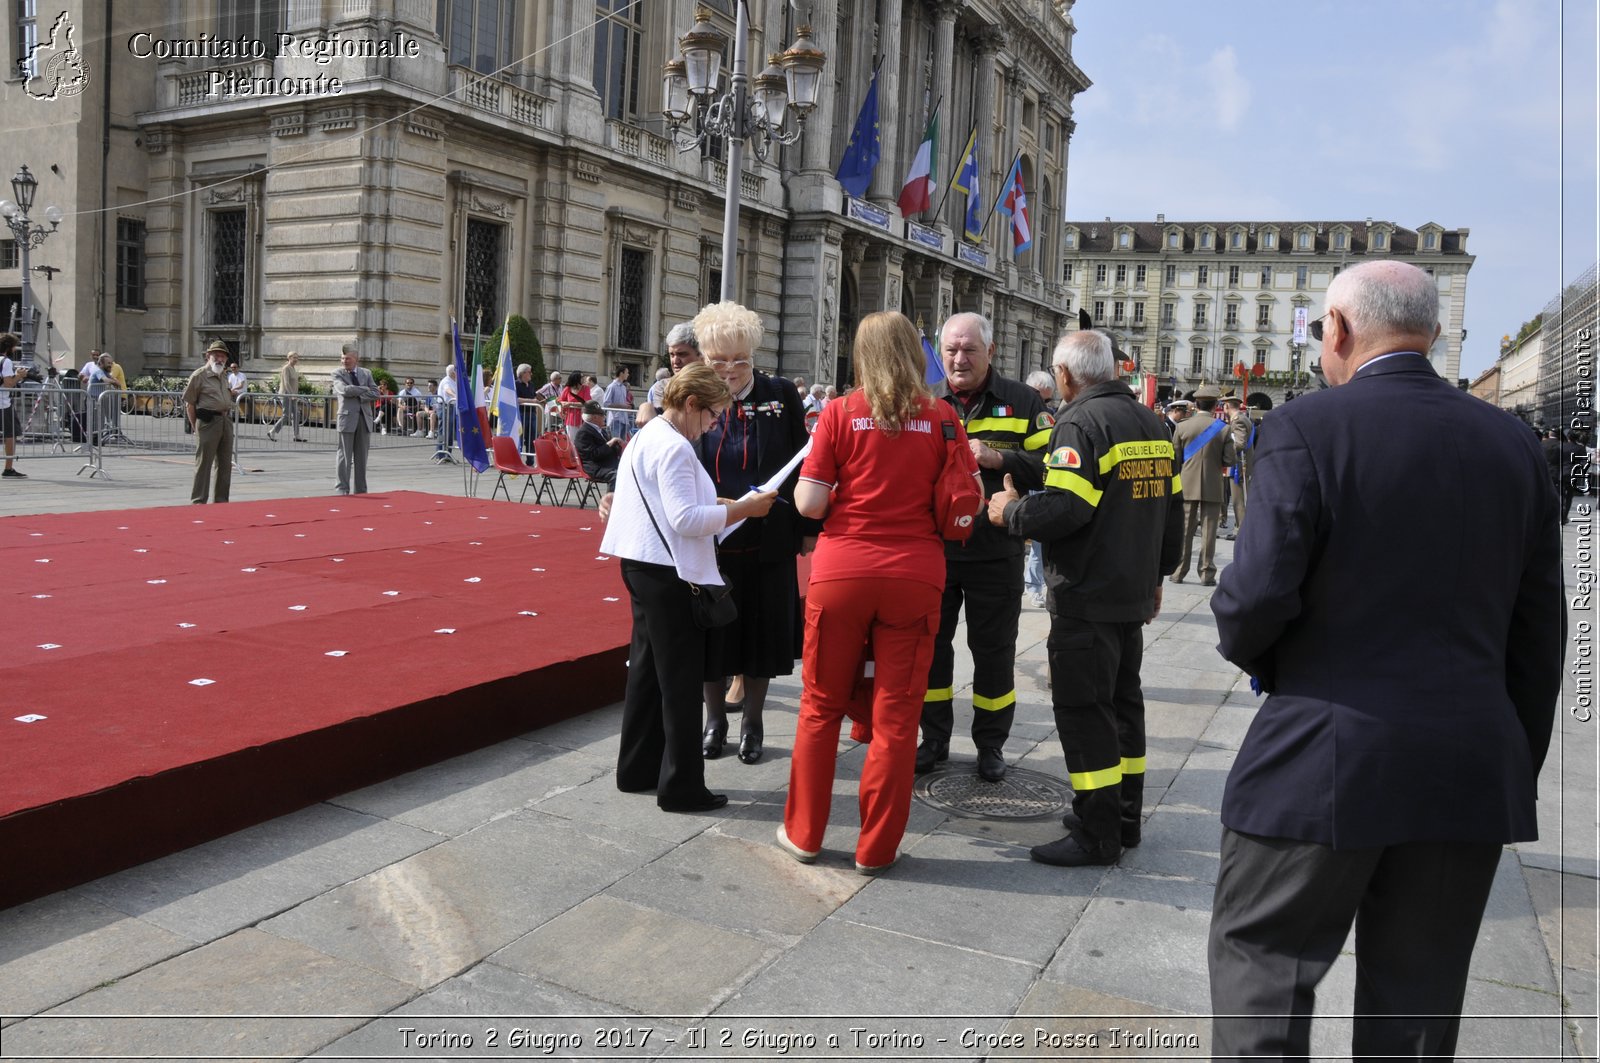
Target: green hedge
[525,347]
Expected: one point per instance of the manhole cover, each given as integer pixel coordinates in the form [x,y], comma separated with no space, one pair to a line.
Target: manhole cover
[1022,794]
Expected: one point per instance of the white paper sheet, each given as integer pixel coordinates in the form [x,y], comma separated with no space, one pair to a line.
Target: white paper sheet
[771,485]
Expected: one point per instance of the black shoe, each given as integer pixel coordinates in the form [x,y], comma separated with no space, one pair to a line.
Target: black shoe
[931,752]
[709,803]
[991,764]
[12,474]
[1130,831]
[711,745]
[1209,581]
[1068,852]
[750,737]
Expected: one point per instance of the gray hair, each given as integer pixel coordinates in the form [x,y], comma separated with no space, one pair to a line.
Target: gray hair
[1386,298]
[818,390]
[985,328]
[350,348]
[682,332]
[524,368]
[1087,356]
[1040,380]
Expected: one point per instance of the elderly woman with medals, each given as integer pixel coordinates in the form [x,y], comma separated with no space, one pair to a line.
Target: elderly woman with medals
[750,442]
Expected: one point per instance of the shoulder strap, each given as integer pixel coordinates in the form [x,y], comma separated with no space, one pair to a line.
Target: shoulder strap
[637,486]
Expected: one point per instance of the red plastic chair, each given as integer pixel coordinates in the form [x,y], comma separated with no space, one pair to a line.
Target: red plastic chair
[547,462]
[508,460]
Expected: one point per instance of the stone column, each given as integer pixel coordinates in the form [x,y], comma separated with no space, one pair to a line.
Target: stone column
[989,44]
[944,44]
[811,300]
[887,177]
[812,190]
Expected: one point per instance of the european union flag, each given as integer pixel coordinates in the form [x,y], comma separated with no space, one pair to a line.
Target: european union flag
[933,373]
[865,148]
[473,446]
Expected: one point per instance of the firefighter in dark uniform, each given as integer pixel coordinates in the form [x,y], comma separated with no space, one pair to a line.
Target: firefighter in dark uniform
[1007,428]
[1111,520]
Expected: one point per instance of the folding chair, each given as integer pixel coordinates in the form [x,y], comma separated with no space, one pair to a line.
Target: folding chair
[508,460]
[549,465]
[569,460]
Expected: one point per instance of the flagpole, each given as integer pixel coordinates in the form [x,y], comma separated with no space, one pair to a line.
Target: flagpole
[1004,185]
[959,163]
[932,161]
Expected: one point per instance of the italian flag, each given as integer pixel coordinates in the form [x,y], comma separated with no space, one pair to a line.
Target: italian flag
[916,195]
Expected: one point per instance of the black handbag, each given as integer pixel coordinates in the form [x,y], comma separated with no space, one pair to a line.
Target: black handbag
[711,605]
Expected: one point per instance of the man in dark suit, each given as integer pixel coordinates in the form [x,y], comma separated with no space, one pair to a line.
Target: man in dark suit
[599,452]
[1404,727]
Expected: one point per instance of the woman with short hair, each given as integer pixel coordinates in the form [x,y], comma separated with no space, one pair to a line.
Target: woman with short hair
[876,580]
[662,524]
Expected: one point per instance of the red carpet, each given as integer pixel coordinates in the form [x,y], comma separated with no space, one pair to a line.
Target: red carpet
[202,668]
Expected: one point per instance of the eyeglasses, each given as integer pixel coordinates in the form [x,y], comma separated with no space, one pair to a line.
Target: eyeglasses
[1315,328]
[727,367]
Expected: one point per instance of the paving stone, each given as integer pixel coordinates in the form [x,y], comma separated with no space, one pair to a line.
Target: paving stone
[1200,783]
[1566,907]
[1228,725]
[214,889]
[1142,937]
[651,962]
[1508,944]
[977,894]
[429,917]
[752,887]
[1068,1020]
[459,794]
[245,974]
[599,803]
[597,733]
[60,946]
[1182,842]
[847,969]
[1582,1004]
[1517,1023]
[506,1014]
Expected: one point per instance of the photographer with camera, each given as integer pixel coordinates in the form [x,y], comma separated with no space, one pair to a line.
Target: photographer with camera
[11,374]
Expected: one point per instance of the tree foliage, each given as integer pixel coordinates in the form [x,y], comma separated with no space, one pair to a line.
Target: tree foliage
[525,349]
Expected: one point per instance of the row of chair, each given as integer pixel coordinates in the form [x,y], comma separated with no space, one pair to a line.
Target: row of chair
[554,461]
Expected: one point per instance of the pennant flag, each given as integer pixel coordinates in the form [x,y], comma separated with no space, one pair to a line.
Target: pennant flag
[473,446]
[916,195]
[508,420]
[966,180]
[1014,204]
[934,372]
[861,156]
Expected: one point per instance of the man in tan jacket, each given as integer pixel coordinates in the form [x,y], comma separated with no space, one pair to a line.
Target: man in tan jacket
[1205,446]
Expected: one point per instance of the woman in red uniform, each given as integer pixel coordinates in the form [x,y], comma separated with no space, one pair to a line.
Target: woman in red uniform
[876,578]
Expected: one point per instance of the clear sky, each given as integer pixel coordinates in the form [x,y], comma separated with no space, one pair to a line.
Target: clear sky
[1451,111]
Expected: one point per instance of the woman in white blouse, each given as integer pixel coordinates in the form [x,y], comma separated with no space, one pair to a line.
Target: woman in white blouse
[664,517]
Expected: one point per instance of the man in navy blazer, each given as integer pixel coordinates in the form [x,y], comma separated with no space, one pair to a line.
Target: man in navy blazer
[1409,639]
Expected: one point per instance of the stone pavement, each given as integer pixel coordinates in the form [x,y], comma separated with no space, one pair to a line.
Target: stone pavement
[512,903]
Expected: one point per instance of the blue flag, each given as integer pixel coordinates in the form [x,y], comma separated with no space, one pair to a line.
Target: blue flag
[934,372]
[966,180]
[861,156]
[473,447]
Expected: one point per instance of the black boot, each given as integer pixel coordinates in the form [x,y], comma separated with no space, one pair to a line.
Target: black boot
[1096,839]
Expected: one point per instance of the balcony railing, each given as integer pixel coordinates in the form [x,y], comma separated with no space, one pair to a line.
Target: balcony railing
[498,98]
[641,144]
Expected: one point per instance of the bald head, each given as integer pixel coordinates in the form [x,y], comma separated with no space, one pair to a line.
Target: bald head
[1373,309]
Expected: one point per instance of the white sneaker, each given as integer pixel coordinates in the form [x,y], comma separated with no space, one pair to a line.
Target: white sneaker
[431,435]
[803,855]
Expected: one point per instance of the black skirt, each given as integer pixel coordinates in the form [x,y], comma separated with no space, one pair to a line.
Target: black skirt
[764,641]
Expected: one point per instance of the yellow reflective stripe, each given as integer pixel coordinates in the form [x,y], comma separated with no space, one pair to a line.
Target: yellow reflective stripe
[1037,441]
[1004,701]
[1177,484]
[1094,780]
[1144,448]
[1133,765]
[1071,481]
[1019,425]
[942,694]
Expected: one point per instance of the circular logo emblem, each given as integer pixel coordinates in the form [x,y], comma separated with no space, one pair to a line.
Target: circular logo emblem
[962,522]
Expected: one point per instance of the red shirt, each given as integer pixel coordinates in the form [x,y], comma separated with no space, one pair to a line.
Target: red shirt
[880,522]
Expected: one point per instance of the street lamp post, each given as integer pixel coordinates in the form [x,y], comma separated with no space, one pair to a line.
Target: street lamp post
[29,236]
[694,112]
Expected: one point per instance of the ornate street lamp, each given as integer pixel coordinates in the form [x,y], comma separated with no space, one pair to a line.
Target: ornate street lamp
[29,236]
[751,110]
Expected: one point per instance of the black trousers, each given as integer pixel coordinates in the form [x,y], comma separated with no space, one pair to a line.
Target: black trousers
[1283,910]
[992,592]
[1099,710]
[661,709]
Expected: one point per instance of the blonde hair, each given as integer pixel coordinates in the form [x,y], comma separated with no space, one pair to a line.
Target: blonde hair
[727,325]
[890,368]
[697,381]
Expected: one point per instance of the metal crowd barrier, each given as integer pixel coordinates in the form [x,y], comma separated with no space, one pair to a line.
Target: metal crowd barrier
[53,421]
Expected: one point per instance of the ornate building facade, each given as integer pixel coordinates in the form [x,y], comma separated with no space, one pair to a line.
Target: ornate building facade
[292,174]
[1190,301]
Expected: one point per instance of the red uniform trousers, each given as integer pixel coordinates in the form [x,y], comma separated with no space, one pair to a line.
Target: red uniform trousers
[893,623]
